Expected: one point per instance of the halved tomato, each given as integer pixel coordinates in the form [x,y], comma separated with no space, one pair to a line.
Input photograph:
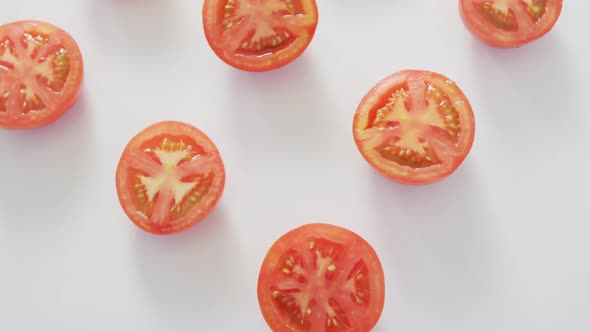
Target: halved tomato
[259,35]
[170,176]
[509,23]
[41,73]
[414,127]
[321,277]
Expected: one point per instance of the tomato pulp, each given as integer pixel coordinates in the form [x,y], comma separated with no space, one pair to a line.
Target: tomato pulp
[321,277]
[169,177]
[41,72]
[414,127]
[510,23]
[259,35]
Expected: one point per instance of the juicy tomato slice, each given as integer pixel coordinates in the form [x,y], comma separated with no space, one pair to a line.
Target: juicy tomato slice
[321,277]
[414,127]
[41,73]
[170,176]
[510,23]
[259,35]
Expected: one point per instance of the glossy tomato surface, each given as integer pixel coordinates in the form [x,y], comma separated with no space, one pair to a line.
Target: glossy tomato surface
[510,23]
[41,72]
[321,277]
[259,35]
[170,176]
[414,127]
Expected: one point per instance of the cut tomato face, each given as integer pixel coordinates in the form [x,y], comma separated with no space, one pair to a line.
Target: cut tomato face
[170,176]
[510,23]
[41,73]
[415,127]
[259,35]
[321,277]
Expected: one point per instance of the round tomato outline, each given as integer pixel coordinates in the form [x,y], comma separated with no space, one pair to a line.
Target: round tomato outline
[73,85]
[333,233]
[419,177]
[198,212]
[500,39]
[211,35]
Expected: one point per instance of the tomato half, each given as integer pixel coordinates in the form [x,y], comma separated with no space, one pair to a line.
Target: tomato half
[170,176]
[321,277]
[41,72]
[259,35]
[414,127]
[510,23]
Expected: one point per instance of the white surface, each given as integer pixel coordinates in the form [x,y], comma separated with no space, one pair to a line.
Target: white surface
[502,245]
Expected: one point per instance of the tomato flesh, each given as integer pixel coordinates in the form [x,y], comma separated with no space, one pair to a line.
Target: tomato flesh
[321,277]
[414,127]
[259,35]
[510,23]
[41,71]
[169,177]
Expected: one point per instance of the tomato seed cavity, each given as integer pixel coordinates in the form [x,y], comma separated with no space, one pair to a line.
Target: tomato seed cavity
[31,101]
[408,156]
[278,40]
[358,284]
[536,9]
[287,302]
[336,319]
[54,70]
[33,41]
[504,20]
[292,265]
[3,98]
[7,54]
[449,114]
[401,95]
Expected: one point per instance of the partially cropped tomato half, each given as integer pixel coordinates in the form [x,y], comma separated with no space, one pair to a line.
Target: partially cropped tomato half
[414,127]
[170,176]
[259,35]
[321,277]
[40,74]
[510,23]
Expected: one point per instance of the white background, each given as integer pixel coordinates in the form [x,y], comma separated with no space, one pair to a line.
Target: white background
[501,245]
